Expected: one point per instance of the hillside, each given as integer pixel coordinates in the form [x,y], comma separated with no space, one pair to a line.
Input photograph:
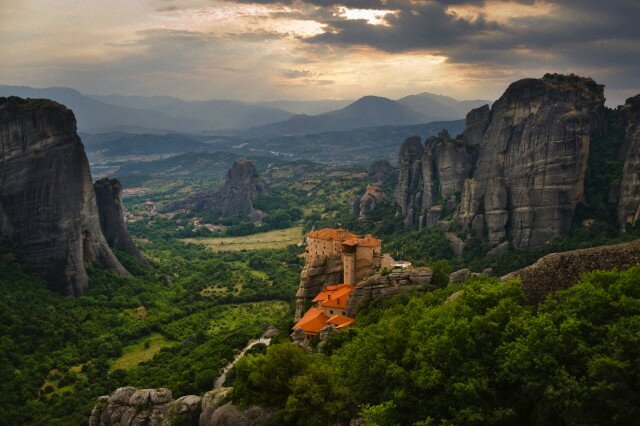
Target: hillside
[218,114]
[95,116]
[370,111]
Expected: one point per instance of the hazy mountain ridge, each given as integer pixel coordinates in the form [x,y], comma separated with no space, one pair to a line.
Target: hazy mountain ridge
[373,111]
[166,114]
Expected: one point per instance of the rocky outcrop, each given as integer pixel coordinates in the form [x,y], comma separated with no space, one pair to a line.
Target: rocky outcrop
[372,197]
[530,172]
[315,275]
[517,171]
[132,406]
[407,194]
[629,201]
[477,122]
[398,281]
[558,271]
[380,171]
[111,211]
[47,201]
[242,186]
[446,164]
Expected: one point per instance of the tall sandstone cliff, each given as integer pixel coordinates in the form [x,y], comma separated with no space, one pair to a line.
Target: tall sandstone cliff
[47,201]
[242,186]
[111,211]
[517,171]
[629,207]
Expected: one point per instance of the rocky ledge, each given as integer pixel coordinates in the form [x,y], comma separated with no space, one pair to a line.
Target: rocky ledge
[156,407]
[398,281]
[558,271]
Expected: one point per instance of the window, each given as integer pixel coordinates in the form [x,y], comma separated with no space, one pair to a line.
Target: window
[331,311]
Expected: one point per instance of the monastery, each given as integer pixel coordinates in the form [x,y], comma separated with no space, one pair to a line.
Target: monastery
[360,257]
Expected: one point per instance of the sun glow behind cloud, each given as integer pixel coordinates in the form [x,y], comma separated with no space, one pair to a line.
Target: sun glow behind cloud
[299,50]
[372,16]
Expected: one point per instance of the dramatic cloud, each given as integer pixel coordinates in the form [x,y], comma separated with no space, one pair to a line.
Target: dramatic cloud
[304,49]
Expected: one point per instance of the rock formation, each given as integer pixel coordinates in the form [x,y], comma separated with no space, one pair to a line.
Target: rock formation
[445,166]
[629,204]
[47,202]
[235,198]
[517,171]
[399,281]
[111,211]
[558,271]
[156,407]
[372,197]
[380,171]
[407,193]
[316,274]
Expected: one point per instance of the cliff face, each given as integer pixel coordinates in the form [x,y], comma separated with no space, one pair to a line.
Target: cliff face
[407,194]
[629,206]
[517,171]
[445,166]
[314,276]
[47,202]
[111,211]
[241,187]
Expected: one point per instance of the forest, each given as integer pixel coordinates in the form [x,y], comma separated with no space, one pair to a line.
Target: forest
[473,353]
[172,325]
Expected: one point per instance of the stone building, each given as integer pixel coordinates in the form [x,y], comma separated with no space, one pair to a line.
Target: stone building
[360,256]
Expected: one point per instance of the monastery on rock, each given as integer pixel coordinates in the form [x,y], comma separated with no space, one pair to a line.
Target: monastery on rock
[360,257]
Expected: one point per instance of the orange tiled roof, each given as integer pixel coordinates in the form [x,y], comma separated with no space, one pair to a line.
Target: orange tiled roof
[338,297]
[369,241]
[341,321]
[313,321]
[352,241]
[327,292]
[332,234]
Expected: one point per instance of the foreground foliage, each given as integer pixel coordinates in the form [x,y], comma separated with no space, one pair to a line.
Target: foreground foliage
[157,329]
[483,358]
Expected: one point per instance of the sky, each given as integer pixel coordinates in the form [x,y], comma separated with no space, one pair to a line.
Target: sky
[260,50]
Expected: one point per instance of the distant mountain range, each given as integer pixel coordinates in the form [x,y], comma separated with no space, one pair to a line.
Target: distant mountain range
[164,114]
[372,111]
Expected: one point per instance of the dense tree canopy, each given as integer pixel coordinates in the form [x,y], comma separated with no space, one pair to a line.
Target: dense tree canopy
[475,354]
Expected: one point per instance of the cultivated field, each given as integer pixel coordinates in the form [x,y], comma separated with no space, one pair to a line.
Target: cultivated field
[270,240]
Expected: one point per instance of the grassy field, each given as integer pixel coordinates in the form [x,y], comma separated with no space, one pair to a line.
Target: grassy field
[263,314]
[135,354]
[276,239]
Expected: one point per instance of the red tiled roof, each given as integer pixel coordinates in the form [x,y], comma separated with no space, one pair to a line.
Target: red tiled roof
[334,296]
[352,241]
[313,321]
[338,298]
[332,234]
[341,321]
